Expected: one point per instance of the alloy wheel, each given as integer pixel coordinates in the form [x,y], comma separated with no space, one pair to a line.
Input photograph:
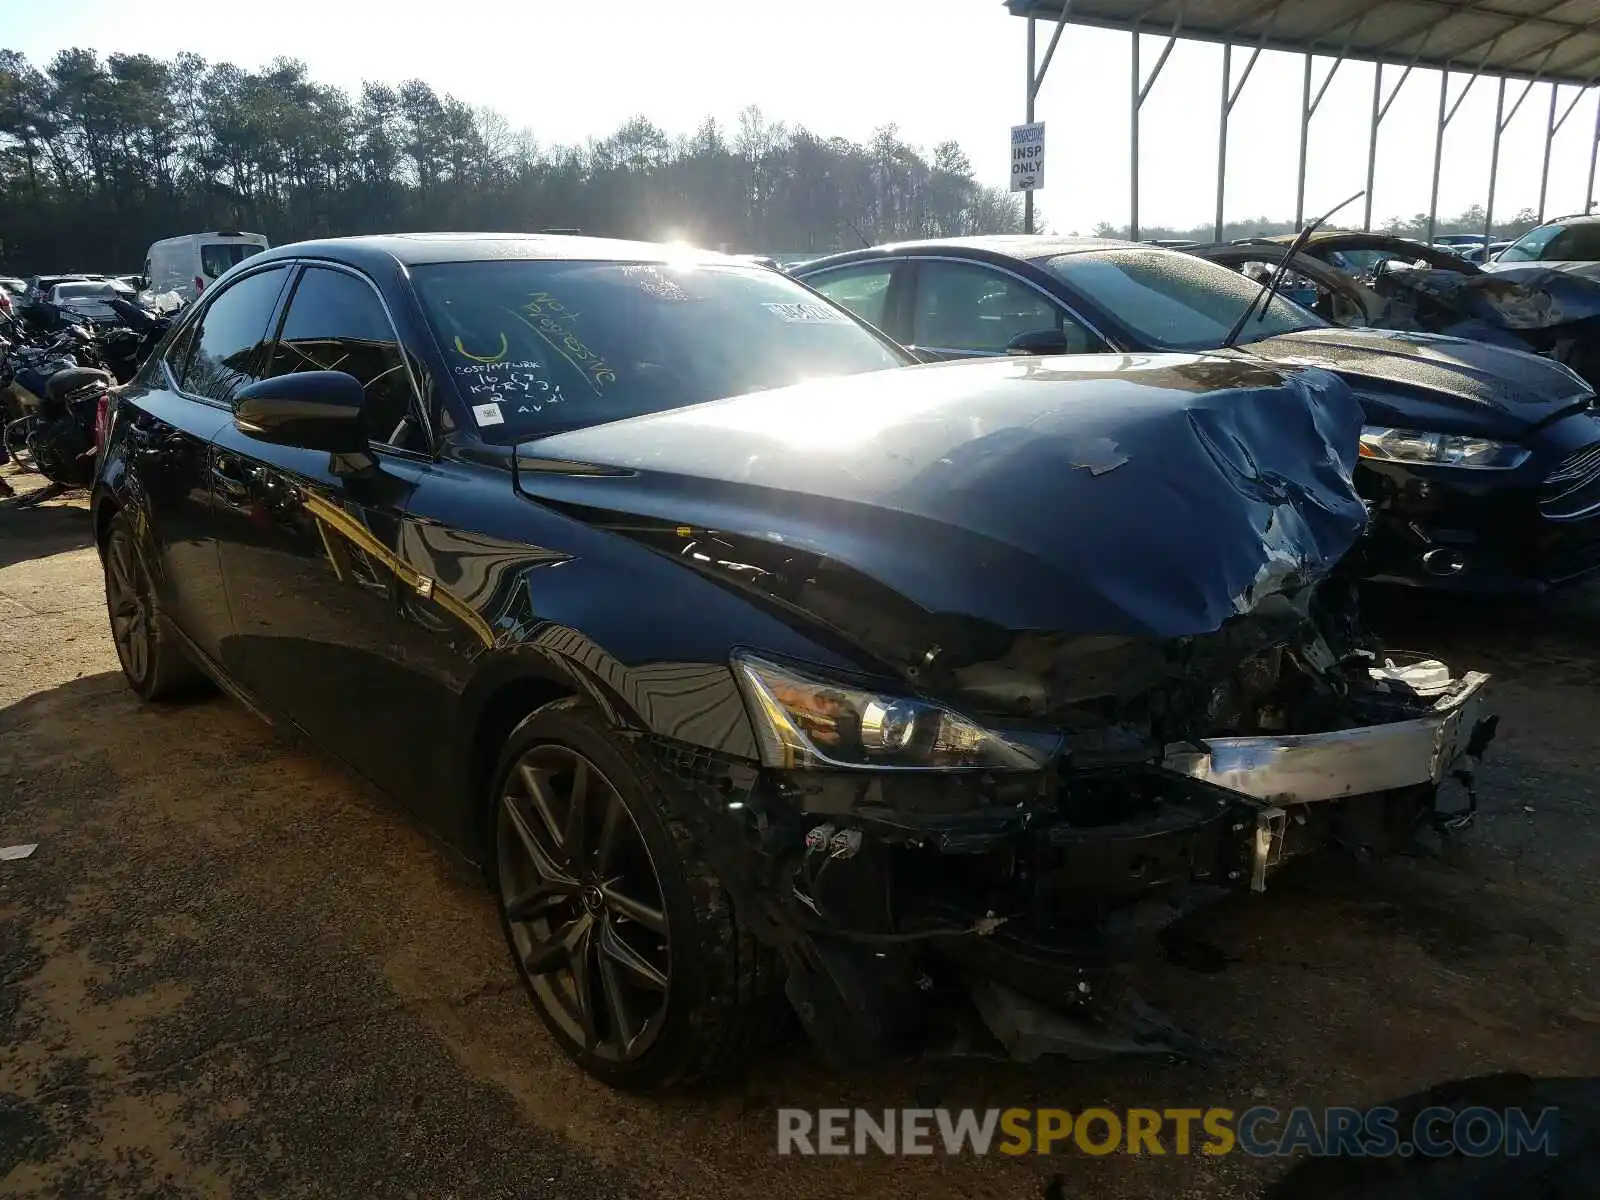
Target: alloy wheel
[132,612]
[583,903]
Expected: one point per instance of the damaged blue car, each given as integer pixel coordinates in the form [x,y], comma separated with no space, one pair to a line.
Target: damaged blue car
[760,670]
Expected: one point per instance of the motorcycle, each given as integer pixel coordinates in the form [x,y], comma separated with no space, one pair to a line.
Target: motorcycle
[60,391]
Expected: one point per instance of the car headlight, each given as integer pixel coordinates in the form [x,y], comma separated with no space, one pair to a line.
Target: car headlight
[806,721]
[1443,449]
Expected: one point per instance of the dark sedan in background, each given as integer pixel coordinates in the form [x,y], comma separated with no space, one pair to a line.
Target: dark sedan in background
[755,670]
[1481,464]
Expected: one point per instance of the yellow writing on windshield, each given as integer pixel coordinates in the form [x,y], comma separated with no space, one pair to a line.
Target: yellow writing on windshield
[493,358]
[553,321]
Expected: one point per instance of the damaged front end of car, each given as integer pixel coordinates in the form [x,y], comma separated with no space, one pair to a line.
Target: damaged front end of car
[1040,868]
[1108,671]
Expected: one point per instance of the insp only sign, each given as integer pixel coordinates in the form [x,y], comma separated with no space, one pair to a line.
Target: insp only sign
[1027,156]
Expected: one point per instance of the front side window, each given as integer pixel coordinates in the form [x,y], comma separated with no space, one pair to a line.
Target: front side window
[336,323]
[538,347]
[1174,301]
[863,289]
[975,309]
[230,347]
[1531,245]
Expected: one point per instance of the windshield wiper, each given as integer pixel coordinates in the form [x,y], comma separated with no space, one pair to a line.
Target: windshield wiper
[1270,289]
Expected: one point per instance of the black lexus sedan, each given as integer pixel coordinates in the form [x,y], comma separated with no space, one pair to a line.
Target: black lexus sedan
[1481,464]
[758,675]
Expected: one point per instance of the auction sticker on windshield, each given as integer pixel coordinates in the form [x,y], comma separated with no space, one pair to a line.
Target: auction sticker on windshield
[819,313]
[488,414]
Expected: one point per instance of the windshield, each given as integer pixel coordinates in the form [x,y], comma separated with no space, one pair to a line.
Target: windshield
[537,347]
[1530,246]
[88,291]
[217,257]
[1175,301]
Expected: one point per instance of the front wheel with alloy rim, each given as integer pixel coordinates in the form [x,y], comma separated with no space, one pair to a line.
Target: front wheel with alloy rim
[155,666]
[625,938]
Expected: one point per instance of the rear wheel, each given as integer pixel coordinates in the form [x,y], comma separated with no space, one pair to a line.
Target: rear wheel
[625,939]
[153,662]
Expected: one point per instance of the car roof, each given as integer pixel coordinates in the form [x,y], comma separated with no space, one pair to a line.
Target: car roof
[418,249]
[1025,246]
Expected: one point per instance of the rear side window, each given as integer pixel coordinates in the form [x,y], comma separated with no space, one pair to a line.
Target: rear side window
[1575,243]
[230,346]
[336,323]
[217,257]
[864,290]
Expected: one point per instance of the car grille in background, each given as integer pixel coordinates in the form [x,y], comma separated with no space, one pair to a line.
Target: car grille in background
[1572,490]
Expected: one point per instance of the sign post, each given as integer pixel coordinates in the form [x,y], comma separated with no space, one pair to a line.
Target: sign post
[1027,162]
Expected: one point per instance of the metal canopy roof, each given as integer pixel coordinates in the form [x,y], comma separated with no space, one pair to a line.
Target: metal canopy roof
[1556,40]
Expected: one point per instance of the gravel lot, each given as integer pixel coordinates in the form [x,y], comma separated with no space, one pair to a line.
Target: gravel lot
[229,969]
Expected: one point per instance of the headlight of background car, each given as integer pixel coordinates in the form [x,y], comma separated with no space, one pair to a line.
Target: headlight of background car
[1445,449]
[803,721]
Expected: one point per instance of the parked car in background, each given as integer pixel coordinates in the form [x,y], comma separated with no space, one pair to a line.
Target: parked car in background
[1537,309]
[82,301]
[1481,463]
[187,264]
[1566,243]
[32,304]
[11,290]
[756,671]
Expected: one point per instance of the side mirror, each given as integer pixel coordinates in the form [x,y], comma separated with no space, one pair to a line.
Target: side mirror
[315,410]
[1039,341]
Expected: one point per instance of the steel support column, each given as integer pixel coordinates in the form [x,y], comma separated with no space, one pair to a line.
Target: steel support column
[1380,110]
[1372,142]
[1138,94]
[1594,149]
[1553,127]
[1308,109]
[1224,109]
[1133,140]
[1035,82]
[1305,131]
[1549,136]
[1445,117]
[1494,164]
[1230,97]
[1501,123]
[1027,196]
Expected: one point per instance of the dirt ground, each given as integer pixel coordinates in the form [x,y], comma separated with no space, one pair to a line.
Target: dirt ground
[229,970]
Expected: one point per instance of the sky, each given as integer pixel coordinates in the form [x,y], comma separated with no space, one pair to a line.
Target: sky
[574,69]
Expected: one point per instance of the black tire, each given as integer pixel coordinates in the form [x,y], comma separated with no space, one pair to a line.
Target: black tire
[153,661]
[723,992]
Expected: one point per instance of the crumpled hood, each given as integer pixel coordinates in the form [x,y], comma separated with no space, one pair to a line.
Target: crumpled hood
[1149,495]
[1531,297]
[1465,374]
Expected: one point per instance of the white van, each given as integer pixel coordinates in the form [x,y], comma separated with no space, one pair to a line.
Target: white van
[191,263]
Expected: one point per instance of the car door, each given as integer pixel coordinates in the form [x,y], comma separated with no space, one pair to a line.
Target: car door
[309,546]
[963,309]
[167,423]
[872,290]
